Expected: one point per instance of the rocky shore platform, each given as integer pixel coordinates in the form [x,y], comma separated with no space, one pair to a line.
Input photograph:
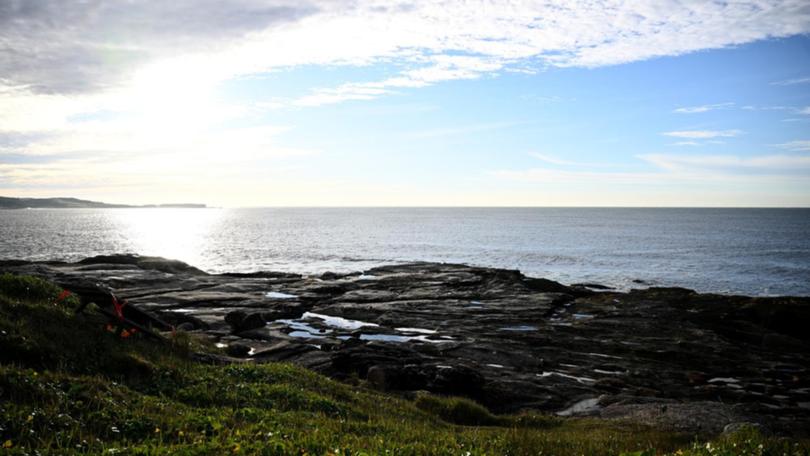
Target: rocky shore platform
[669,357]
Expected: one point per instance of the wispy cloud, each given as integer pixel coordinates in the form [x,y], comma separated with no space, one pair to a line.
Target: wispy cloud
[443,68]
[674,169]
[703,108]
[81,46]
[797,146]
[805,110]
[703,134]
[555,160]
[789,164]
[789,82]
[552,159]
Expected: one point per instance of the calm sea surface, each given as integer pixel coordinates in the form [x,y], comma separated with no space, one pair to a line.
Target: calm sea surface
[747,251]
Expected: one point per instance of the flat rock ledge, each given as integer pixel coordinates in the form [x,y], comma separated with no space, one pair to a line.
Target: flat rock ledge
[668,357]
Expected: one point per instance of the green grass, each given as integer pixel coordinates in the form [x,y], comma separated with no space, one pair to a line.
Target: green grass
[68,386]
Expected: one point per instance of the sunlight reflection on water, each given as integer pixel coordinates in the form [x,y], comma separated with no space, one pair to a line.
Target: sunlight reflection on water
[170,233]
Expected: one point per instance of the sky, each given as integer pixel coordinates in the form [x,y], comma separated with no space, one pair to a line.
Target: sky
[386,103]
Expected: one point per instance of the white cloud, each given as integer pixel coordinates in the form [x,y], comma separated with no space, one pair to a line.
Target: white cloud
[797,146]
[702,108]
[805,110]
[443,68]
[79,46]
[703,134]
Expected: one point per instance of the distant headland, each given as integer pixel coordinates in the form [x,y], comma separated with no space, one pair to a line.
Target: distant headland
[75,203]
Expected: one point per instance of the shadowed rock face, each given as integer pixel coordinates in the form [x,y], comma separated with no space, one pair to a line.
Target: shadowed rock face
[505,340]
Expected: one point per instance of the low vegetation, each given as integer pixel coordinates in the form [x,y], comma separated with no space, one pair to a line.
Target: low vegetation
[69,386]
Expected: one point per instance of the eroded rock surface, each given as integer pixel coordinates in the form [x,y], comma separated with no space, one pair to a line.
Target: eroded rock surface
[660,355]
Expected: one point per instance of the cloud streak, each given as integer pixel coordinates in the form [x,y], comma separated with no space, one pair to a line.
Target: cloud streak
[783,164]
[796,146]
[678,169]
[702,108]
[703,134]
[790,82]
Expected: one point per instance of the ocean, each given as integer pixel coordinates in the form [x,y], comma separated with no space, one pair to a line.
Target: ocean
[739,251]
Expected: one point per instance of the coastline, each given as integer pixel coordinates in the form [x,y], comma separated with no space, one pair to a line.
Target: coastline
[496,336]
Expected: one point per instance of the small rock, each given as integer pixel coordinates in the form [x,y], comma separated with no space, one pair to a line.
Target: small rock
[241,321]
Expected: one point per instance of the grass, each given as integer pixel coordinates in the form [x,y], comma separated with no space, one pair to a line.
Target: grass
[68,386]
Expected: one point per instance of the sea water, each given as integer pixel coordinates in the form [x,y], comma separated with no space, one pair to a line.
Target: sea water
[741,251]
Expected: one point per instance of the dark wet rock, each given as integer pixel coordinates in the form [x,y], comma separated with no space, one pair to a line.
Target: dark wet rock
[182,321]
[144,262]
[663,356]
[242,321]
[264,275]
[238,350]
[592,286]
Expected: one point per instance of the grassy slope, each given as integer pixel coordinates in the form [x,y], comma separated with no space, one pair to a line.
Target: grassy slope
[69,386]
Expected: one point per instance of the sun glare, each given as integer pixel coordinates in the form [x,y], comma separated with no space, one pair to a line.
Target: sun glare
[173,100]
[171,233]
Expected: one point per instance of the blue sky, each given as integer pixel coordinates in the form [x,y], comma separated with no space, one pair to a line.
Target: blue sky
[704,104]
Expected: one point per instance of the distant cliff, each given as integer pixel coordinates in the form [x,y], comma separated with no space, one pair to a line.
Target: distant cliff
[75,203]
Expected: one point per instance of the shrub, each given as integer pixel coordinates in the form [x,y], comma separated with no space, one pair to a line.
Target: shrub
[33,289]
